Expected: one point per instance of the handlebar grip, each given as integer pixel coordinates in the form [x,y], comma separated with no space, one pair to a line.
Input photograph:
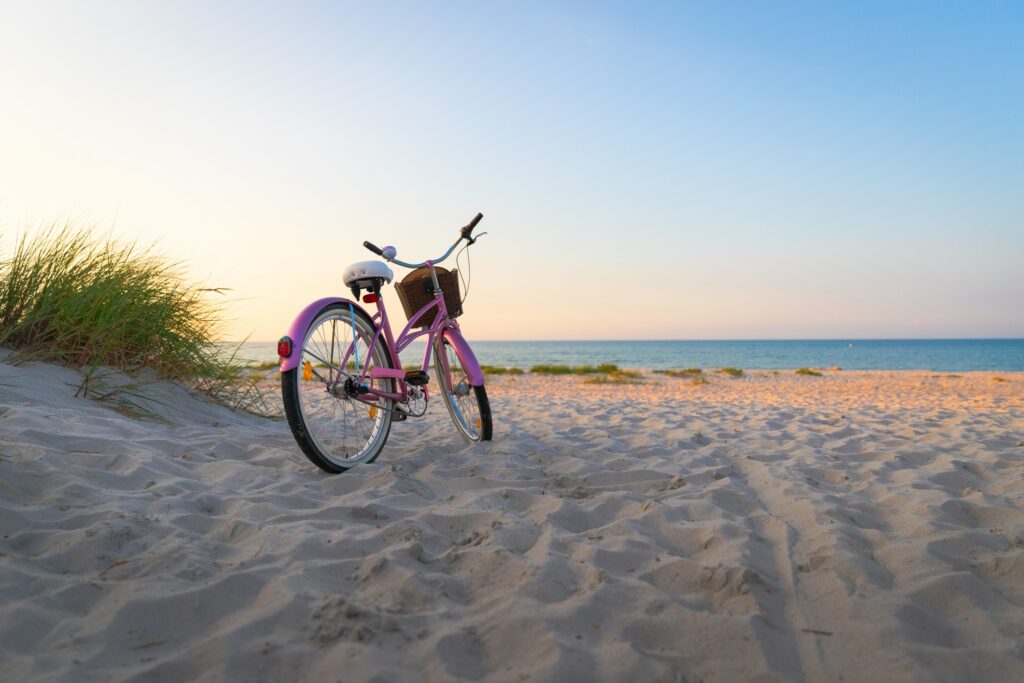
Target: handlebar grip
[374,248]
[468,230]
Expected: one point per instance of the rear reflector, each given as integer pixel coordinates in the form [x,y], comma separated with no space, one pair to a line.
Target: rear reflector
[284,347]
[370,299]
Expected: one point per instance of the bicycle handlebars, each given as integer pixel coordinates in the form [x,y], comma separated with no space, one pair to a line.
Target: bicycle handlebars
[466,233]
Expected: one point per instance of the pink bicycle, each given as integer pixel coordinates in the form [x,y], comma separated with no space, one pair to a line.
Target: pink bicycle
[341,377]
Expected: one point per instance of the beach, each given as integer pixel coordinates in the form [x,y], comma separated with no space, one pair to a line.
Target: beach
[858,526]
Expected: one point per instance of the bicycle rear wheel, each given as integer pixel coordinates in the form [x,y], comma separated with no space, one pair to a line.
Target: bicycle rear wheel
[335,427]
[468,405]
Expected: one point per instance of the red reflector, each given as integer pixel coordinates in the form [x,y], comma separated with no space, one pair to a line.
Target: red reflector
[370,299]
[284,347]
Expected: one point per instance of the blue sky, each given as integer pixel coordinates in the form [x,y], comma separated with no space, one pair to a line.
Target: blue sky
[654,170]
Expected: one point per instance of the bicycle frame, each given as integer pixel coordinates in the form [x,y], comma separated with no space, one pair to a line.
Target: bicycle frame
[442,326]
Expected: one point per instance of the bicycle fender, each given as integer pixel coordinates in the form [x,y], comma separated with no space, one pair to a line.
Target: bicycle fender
[297,331]
[466,356]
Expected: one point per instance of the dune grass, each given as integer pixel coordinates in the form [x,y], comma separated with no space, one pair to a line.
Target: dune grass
[604,373]
[500,370]
[616,377]
[732,372]
[808,372]
[603,368]
[95,304]
[685,372]
[545,369]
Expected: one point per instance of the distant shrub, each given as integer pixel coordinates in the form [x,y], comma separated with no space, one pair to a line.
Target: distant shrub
[732,372]
[617,377]
[808,372]
[499,370]
[997,378]
[603,368]
[551,369]
[686,372]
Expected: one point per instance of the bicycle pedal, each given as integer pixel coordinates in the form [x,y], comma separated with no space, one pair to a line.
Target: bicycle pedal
[416,378]
[400,412]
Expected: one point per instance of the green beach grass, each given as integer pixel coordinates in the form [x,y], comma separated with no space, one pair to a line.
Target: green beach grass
[92,303]
[732,372]
[499,370]
[551,369]
[616,377]
[604,369]
[686,372]
[808,372]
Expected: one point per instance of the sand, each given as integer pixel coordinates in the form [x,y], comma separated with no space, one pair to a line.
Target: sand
[858,526]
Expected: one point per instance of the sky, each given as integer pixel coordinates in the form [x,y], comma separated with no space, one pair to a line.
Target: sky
[712,170]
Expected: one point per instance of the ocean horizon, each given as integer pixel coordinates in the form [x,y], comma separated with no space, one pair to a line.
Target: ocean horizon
[939,355]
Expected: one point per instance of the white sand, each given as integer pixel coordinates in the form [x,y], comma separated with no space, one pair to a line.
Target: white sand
[858,527]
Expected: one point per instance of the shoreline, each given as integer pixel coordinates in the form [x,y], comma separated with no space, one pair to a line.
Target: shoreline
[997,355]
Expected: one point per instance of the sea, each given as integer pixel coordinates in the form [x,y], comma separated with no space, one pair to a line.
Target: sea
[940,355]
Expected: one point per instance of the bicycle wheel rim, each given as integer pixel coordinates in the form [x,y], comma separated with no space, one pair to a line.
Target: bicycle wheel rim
[459,396]
[343,430]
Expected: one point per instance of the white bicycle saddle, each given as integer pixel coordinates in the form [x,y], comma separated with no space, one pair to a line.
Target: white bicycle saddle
[367,270]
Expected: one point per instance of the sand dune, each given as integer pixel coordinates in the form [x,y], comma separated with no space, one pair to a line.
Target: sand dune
[858,526]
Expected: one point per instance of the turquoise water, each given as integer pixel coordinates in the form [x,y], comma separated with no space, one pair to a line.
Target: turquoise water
[948,355]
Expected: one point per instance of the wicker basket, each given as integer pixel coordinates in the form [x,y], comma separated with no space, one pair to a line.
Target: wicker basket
[414,291]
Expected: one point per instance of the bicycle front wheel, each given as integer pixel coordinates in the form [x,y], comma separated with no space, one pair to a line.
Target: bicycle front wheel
[336,426]
[468,405]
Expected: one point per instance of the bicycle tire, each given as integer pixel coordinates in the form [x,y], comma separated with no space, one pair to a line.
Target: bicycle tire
[483,428]
[290,392]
